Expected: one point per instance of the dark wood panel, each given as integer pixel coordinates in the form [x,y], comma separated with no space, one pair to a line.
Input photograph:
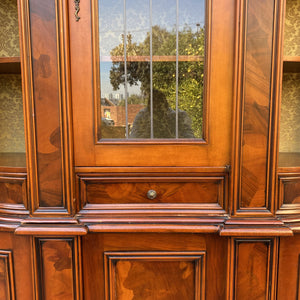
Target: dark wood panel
[154,275]
[135,259]
[122,190]
[253,269]
[7,289]
[56,268]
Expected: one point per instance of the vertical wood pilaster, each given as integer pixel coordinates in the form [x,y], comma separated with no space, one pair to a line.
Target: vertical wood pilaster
[48,108]
[253,160]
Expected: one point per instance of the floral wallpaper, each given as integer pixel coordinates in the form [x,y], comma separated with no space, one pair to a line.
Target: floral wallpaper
[11,114]
[290,113]
[292,28]
[9,29]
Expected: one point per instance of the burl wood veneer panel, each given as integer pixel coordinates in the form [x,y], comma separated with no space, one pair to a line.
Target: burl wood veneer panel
[15,267]
[289,268]
[47,102]
[252,269]
[154,266]
[154,275]
[258,44]
[6,276]
[55,261]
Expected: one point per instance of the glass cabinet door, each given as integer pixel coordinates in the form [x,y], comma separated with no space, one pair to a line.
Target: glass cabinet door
[152,82]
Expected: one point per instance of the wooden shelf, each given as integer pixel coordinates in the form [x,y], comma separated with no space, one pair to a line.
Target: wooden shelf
[291,64]
[155,58]
[10,65]
[13,161]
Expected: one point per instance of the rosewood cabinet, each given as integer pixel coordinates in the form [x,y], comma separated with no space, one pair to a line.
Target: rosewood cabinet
[149,149]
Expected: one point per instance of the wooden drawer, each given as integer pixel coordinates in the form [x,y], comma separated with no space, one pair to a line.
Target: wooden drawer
[121,189]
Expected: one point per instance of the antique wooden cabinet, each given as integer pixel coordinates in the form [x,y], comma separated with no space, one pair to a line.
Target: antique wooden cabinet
[149,149]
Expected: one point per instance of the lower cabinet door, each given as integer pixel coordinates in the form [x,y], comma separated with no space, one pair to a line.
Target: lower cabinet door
[147,266]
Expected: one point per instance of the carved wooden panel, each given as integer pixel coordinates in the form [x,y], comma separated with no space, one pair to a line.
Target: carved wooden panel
[154,275]
[253,261]
[57,268]
[13,191]
[7,289]
[50,170]
[255,65]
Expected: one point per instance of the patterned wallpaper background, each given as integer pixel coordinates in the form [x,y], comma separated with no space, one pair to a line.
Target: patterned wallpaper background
[290,113]
[9,29]
[292,28]
[11,114]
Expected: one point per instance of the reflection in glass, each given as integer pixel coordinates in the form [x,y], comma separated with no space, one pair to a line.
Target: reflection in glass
[151,68]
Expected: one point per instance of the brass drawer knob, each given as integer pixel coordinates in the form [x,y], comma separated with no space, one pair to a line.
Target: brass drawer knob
[151,194]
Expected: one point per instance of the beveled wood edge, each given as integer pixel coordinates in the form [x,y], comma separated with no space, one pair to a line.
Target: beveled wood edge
[50,230]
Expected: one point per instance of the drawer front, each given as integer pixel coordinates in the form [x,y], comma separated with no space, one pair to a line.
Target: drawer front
[152,190]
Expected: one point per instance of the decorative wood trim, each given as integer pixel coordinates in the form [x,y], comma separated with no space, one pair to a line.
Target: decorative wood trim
[270,253]
[198,257]
[6,256]
[60,264]
[18,179]
[63,188]
[255,227]
[259,184]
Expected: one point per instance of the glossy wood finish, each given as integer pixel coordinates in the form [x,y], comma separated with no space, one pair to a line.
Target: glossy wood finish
[57,274]
[198,239]
[135,256]
[253,269]
[51,172]
[152,275]
[173,153]
[253,123]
